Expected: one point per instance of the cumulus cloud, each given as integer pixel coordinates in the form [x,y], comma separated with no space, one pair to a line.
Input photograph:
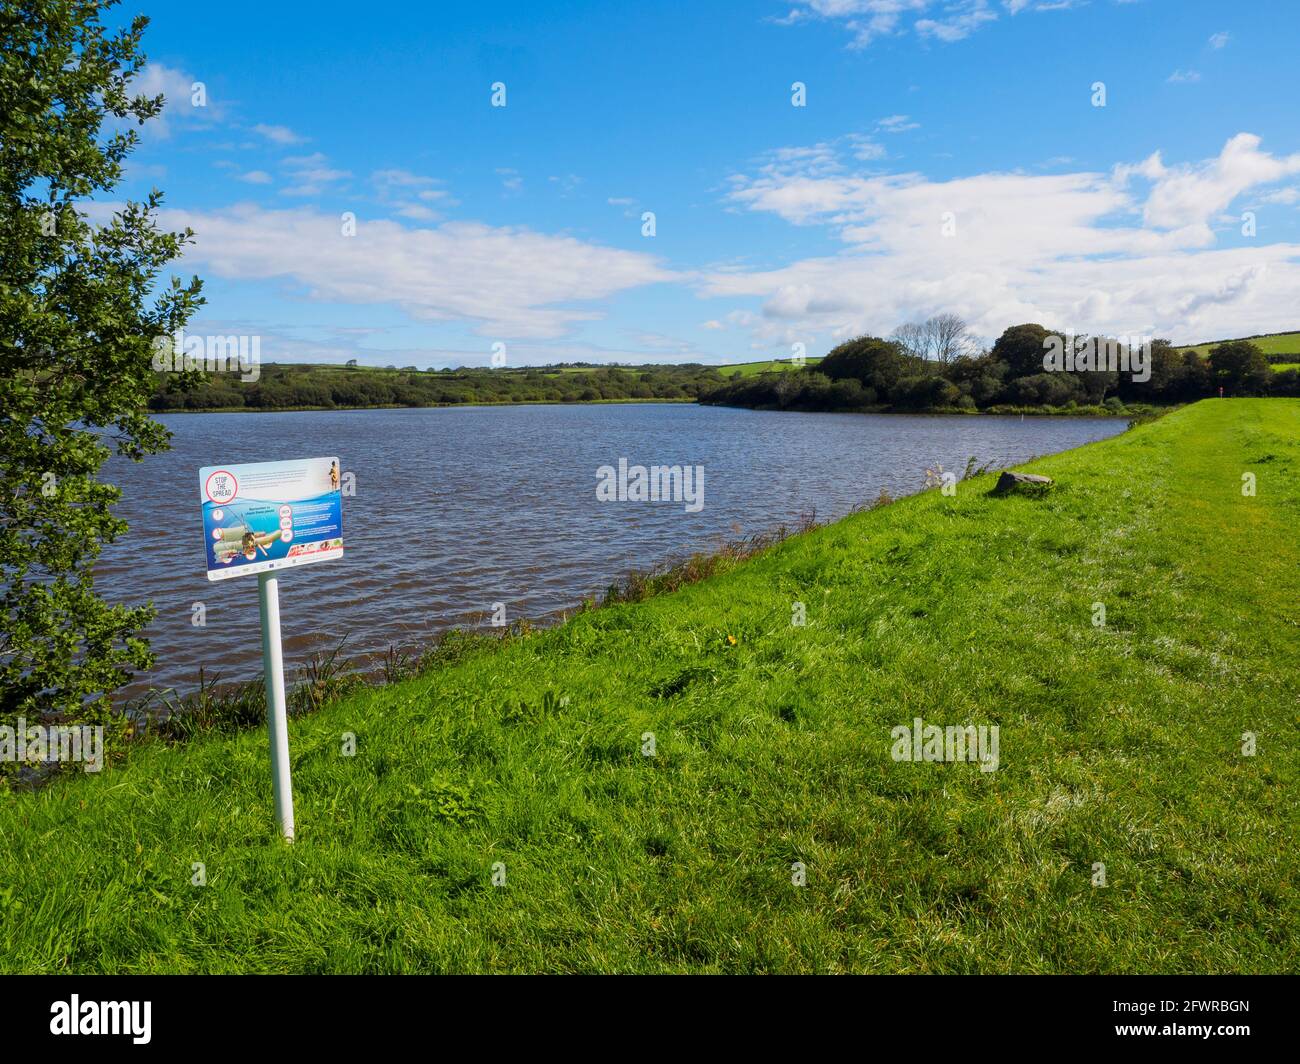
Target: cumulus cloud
[1129,250]
[1188,196]
[507,282]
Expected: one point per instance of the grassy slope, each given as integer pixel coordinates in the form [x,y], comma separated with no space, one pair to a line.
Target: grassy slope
[1119,745]
[1273,344]
[753,369]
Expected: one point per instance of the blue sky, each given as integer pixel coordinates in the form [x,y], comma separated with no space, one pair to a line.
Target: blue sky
[949,158]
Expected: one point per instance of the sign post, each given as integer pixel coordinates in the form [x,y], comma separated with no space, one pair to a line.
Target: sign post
[260,518]
[277,713]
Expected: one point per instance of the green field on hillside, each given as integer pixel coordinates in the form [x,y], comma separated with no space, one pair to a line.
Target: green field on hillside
[1120,746]
[752,369]
[1273,344]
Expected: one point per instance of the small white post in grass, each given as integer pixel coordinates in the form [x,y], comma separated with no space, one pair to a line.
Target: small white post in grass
[261,518]
[277,714]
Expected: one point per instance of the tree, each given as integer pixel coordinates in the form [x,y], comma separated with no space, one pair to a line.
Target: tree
[80,307]
[877,363]
[1022,348]
[913,338]
[943,338]
[1240,368]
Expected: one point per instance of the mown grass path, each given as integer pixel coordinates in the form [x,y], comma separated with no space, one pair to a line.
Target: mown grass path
[1119,746]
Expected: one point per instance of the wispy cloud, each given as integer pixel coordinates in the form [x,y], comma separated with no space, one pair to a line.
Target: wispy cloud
[941,20]
[512,181]
[311,175]
[410,195]
[279,134]
[897,124]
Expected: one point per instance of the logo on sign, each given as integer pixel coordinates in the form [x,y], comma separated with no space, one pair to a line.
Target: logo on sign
[221,486]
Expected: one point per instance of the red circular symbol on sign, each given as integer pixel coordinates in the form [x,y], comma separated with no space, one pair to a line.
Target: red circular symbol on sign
[221,486]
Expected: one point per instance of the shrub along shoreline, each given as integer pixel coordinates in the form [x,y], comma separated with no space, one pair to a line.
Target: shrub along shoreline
[646,776]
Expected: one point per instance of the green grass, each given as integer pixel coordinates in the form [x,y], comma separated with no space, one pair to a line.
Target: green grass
[753,369]
[1273,344]
[1118,745]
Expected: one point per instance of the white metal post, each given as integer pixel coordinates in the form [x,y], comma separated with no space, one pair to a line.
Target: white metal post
[277,716]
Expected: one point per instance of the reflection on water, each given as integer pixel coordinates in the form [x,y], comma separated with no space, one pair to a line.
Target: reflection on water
[460,508]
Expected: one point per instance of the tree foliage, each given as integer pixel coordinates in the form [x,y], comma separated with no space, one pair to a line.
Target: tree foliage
[893,374]
[80,304]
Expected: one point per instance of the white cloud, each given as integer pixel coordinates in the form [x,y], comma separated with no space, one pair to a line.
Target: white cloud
[1132,250]
[1188,196]
[865,148]
[410,194]
[1286,196]
[943,20]
[418,212]
[311,175]
[897,124]
[960,22]
[1220,40]
[279,134]
[180,93]
[1183,76]
[508,282]
[256,177]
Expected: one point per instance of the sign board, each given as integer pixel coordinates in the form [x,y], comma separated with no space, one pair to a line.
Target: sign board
[271,515]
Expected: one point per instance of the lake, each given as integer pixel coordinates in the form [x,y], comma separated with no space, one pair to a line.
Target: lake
[459,508]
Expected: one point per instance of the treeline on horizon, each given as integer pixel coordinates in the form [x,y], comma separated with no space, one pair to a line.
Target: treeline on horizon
[926,367]
[922,368]
[283,386]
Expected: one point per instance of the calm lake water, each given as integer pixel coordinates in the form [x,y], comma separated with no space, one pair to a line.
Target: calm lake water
[460,508]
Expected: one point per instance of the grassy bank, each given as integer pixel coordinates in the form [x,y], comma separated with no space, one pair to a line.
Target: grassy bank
[1119,745]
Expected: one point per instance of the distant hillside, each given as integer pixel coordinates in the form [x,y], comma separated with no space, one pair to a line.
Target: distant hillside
[1272,344]
[752,369]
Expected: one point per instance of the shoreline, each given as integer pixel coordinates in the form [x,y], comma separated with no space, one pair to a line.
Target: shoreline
[1096,412]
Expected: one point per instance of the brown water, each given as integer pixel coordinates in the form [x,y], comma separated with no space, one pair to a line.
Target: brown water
[460,508]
